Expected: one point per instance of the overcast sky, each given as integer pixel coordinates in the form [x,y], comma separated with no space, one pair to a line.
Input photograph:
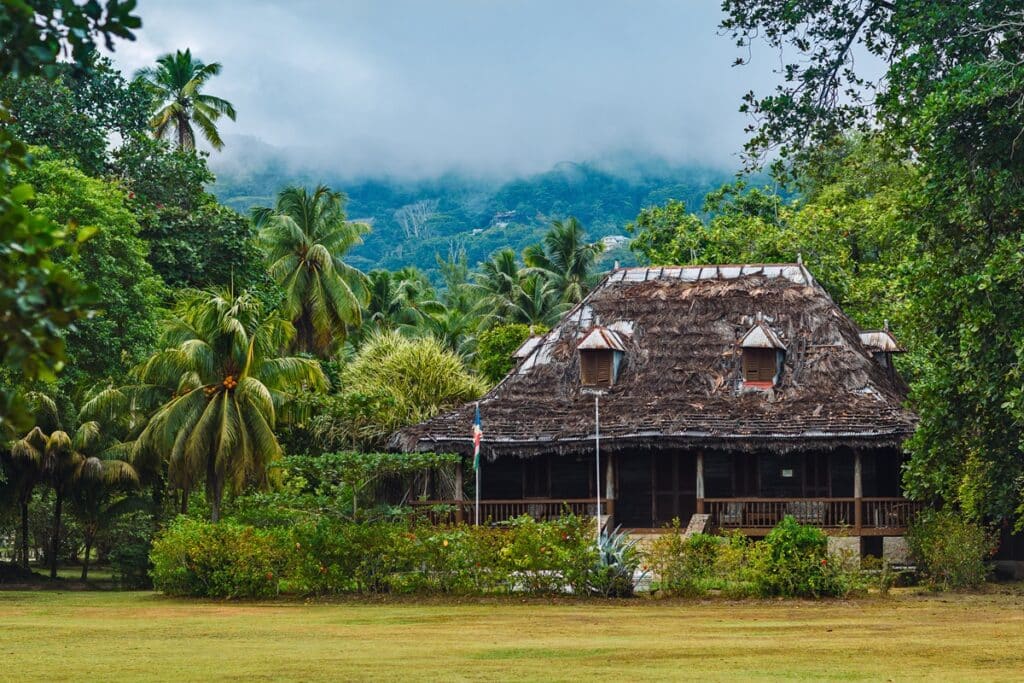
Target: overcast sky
[417,87]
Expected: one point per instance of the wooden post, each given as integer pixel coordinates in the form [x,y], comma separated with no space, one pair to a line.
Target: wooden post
[458,492]
[858,493]
[609,487]
[700,482]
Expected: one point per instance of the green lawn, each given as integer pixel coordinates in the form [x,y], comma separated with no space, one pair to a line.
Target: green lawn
[49,635]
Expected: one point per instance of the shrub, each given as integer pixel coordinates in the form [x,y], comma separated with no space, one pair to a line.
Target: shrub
[224,560]
[546,557]
[130,539]
[950,551]
[793,561]
[683,566]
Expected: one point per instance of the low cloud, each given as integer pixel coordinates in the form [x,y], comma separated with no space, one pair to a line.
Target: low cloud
[415,89]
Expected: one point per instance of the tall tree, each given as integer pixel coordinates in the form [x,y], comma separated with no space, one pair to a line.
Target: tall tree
[952,93]
[567,258]
[223,356]
[68,461]
[306,237]
[176,83]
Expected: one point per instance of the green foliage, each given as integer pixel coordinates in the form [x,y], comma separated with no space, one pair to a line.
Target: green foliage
[793,561]
[618,559]
[128,542]
[950,551]
[688,566]
[566,259]
[219,384]
[111,258]
[393,382]
[177,83]
[330,556]
[306,236]
[951,92]
[76,114]
[35,34]
[496,346]
[223,560]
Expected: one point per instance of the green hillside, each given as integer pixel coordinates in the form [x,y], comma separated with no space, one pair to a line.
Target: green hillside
[414,221]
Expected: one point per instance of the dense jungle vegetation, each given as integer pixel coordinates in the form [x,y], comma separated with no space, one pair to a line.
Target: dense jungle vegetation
[168,335]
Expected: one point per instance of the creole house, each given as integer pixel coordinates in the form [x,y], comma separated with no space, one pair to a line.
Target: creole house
[740,392]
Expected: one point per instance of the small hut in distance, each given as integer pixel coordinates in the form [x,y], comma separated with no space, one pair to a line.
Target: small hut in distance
[739,392]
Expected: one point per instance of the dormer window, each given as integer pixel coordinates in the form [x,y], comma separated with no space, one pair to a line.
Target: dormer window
[882,346]
[763,355]
[601,353]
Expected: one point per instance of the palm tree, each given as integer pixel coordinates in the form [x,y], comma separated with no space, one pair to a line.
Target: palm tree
[497,280]
[306,236]
[396,299]
[565,256]
[67,461]
[223,356]
[536,302]
[176,83]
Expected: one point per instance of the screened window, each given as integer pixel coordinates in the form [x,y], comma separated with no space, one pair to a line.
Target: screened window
[759,365]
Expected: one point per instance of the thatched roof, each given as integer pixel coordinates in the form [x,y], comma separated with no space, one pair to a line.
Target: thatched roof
[680,384]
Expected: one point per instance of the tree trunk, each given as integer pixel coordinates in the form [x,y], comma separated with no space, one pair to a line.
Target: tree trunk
[184,501]
[55,542]
[214,488]
[85,560]
[24,534]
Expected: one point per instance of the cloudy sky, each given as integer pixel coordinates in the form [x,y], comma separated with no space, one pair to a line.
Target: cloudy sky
[511,86]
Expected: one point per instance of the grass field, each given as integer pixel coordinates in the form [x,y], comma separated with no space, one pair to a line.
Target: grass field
[49,635]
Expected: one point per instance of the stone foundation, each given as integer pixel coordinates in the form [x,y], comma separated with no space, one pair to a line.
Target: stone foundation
[895,549]
[845,547]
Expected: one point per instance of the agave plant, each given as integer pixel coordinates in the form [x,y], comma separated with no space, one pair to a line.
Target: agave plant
[618,559]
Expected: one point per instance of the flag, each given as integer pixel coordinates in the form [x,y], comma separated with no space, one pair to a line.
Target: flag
[478,435]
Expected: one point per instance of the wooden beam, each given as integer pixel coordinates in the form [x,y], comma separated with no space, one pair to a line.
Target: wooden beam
[858,492]
[700,482]
[609,486]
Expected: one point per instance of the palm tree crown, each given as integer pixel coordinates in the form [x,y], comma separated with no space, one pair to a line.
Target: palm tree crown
[223,356]
[176,83]
[306,236]
[566,257]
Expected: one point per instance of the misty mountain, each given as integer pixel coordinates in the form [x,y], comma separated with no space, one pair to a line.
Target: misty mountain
[414,221]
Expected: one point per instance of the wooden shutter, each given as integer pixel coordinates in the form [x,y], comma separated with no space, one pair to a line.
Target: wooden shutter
[595,367]
[758,365]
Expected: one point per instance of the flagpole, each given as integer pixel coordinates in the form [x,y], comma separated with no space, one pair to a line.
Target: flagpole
[597,458]
[476,466]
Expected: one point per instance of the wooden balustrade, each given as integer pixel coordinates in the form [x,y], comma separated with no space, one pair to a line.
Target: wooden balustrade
[828,513]
[495,511]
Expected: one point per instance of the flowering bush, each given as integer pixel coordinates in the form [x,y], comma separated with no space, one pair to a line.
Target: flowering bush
[225,560]
[793,561]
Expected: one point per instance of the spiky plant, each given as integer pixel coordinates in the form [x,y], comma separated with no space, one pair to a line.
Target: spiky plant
[223,356]
[306,237]
[176,83]
[566,257]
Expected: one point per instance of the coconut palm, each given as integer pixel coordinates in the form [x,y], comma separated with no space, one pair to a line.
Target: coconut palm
[396,299]
[231,383]
[536,302]
[68,461]
[566,257]
[497,281]
[306,236]
[176,83]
